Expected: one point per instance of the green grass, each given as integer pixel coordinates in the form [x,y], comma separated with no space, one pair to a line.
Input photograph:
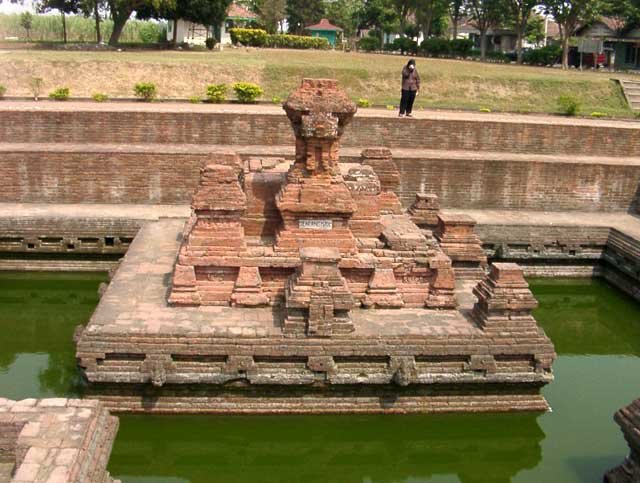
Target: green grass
[449,84]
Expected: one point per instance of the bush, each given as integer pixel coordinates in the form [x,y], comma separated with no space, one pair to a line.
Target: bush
[497,56]
[216,92]
[276,100]
[548,55]
[149,33]
[286,41]
[99,97]
[249,37]
[3,89]
[484,109]
[246,92]
[598,114]
[568,105]
[369,43]
[195,99]
[390,107]
[461,47]
[210,43]
[436,47]
[405,45]
[60,94]
[145,91]
[362,102]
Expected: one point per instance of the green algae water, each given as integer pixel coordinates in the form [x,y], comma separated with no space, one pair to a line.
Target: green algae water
[595,328]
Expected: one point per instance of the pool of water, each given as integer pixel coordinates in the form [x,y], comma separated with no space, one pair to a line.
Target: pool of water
[596,330]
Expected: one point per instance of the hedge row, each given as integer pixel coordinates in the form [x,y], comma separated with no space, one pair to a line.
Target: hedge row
[260,38]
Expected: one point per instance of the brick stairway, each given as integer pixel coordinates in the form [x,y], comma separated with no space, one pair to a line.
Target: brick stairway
[631,91]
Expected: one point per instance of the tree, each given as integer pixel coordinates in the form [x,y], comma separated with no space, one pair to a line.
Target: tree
[403,8]
[485,14]
[534,33]
[520,13]
[456,10]
[301,13]
[621,13]
[91,8]
[345,14]
[26,22]
[379,14]
[272,13]
[428,11]
[64,7]
[569,15]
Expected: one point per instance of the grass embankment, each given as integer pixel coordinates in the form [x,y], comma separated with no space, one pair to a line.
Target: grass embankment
[447,84]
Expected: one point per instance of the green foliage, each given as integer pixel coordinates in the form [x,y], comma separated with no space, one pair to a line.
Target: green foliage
[461,47]
[195,99]
[362,102]
[26,22]
[369,43]
[48,28]
[286,41]
[249,37]
[149,33]
[3,89]
[534,31]
[301,13]
[216,93]
[99,97]
[497,56]
[598,114]
[568,105]
[390,107]
[405,45]
[60,94]
[484,109]
[436,47]
[145,91]
[246,92]
[276,100]
[210,43]
[548,55]
[260,38]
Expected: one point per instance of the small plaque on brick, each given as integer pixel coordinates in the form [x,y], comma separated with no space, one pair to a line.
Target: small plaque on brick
[315,224]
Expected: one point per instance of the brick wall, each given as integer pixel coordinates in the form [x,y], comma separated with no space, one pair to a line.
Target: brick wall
[499,178]
[140,127]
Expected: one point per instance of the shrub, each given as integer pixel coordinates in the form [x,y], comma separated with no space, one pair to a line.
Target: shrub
[35,85]
[3,89]
[149,32]
[216,92]
[99,97]
[195,99]
[436,47]
[497,56]
[598,114]
[362,102]
[369,43]
[548,55]
[405,45]
[145,91]
[390,107]
[286,41]
[276,100]
[461,47]
[484,109]
[210,43]
[568,105]
[60,94]
[249,37]
[246,92]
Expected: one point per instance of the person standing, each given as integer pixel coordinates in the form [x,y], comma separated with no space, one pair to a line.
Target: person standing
[410,88]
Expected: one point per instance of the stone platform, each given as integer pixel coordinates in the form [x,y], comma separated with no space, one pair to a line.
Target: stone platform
[223,359]
[55,441]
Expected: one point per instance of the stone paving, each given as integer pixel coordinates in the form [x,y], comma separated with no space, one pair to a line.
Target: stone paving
[56,440]
[136,302]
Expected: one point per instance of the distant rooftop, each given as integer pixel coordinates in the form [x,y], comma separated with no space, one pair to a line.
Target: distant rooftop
[324,24]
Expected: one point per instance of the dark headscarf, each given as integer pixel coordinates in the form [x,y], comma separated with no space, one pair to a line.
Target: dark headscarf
[411,62]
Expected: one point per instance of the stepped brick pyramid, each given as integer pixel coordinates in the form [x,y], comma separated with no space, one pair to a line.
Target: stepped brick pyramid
[304,287]
[629,420]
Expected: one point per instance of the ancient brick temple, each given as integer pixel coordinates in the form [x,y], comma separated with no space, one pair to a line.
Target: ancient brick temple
[335,239]
[302,286]
[629,420]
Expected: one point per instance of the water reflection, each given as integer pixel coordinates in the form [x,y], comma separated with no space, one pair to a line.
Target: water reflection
[38,314]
